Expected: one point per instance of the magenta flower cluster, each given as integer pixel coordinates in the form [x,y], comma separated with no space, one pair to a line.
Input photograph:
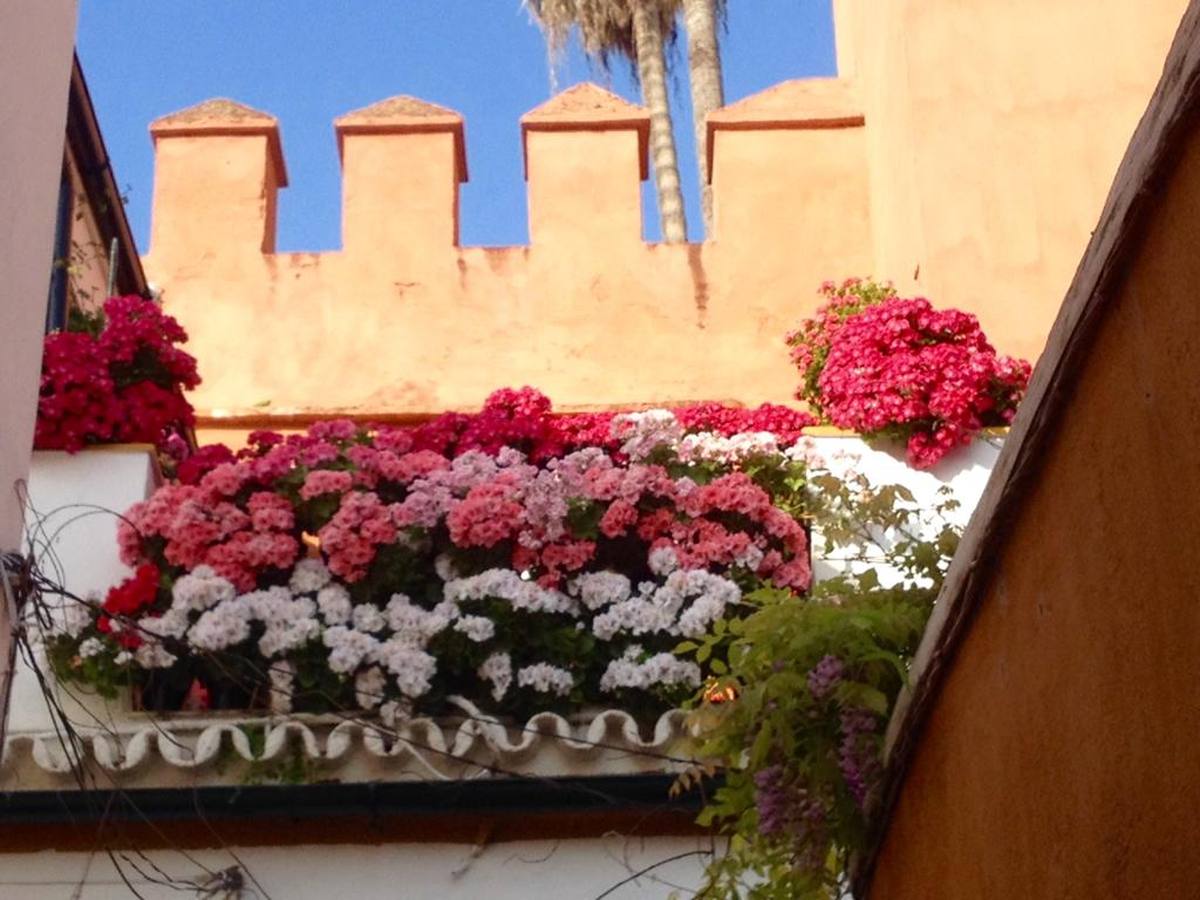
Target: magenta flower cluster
[883,365]
[124,385]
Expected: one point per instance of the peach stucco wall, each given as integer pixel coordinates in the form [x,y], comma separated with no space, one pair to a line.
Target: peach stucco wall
[994,128]
[35,73]
[402,319]
[1060,759]
[965,152]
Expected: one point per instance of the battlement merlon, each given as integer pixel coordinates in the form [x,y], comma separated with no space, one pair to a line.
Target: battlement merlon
[219,166]
[403,160]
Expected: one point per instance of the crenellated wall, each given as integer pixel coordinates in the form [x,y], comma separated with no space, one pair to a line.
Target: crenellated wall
[402,319]
[957,154]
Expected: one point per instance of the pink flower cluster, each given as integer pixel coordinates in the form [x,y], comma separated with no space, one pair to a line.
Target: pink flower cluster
[479,497]
[880,364]
[241,533]
[811,342]
[124,385]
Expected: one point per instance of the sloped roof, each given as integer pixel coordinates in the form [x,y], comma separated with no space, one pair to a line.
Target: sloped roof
[222,116]
[589,107]
[86,141]
[403,114]
[802,103]
[1171,116]
[220,110]
[583,102]
[400,108]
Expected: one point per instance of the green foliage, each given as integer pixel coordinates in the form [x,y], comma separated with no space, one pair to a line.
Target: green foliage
[88,321]
[294,766]
[791,801]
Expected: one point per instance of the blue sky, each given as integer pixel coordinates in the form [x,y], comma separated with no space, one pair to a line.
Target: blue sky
[307,61]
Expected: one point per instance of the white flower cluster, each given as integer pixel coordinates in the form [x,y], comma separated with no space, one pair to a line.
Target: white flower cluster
[369,686]
[333,601]
[309,576]
[599,589]
[663,560]
[413,668]
[666,608]
[546,679]
[497,669]
[151,652]
[660,669]
[477,628]
[642,432]
[62,615]
[201,589]
[363,640]
[505,584]
[415,625]
[402,653]
[225,625]
[348,649]
[708,446]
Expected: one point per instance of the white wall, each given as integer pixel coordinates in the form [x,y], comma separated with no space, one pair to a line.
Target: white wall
[523,870]
[36,40]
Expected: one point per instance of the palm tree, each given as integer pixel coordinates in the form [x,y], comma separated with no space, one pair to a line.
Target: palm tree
[708,90]
[637,30]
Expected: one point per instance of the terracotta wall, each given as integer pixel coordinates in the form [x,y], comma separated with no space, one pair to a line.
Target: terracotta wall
[1060,759]
[964,152]
[994,128]
[402,319]
[35,70]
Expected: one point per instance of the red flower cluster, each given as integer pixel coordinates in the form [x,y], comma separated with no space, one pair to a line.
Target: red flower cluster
[926,375]
[782,421]
[523,418]
[125,385]
[126,600]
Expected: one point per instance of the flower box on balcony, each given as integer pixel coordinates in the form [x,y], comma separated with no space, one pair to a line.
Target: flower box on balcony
[74,502]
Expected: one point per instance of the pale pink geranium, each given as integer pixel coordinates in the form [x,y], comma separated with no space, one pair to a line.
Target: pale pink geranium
[351,538]
[488,515]
[198,527]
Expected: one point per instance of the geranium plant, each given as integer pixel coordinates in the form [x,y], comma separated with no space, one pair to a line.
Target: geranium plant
[487,557]
[887,366]
[124,384]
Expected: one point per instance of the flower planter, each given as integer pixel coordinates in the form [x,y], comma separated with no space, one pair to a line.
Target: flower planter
[95,478]
[75,500]
[961,476]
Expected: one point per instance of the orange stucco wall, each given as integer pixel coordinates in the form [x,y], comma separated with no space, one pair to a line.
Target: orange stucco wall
[1060,759]
[962,145]
[994,128]
[408,321]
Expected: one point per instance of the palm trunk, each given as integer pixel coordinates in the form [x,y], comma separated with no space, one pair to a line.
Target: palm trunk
[708,89]
[652,71]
